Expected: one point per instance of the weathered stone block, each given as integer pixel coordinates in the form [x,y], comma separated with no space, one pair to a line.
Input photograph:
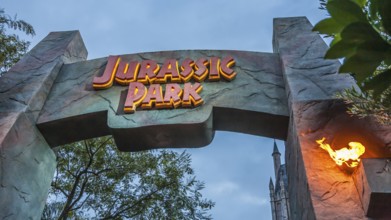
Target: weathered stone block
[27,163]
[317,188]
[26,85]
[373,182]
[307,75]
[331,192]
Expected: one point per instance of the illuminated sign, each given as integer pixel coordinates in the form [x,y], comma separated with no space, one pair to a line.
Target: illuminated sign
[136,75]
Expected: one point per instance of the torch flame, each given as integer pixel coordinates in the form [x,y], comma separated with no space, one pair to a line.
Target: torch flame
[349,156]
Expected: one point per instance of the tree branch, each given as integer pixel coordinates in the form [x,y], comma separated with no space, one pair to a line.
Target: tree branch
[54,185]
[83,186]
[81,205]
[69,204]
[146,197]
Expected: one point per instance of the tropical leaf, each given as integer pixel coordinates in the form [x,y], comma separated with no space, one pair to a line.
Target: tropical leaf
[337,38]
[341,49]
[363,60]
[345,11]
[385,14]
[360,32]
[387,60]
[364,42]
[328,26]
[360,3]
[361,71]
[373,7]
[370,51]
[379,83]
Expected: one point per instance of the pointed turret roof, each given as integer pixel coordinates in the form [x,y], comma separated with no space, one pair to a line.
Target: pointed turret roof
[275,149]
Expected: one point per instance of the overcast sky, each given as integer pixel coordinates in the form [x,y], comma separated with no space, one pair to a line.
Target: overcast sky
[235,167]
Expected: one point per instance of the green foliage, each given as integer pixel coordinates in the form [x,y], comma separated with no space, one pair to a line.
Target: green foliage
[361,31]
[11,47]
[94,179]
[363,105]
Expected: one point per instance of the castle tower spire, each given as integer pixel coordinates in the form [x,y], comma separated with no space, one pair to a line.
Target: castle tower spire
[276,159]
[272,199]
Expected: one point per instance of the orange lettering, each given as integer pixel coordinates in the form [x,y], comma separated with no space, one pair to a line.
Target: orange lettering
[127,72]
[154,96]
[201,69]
[172,96]
[136,94]
[225,68]
[191,96]
[214,74]
[106,80]
[187,70]
[148,71]
[170,71]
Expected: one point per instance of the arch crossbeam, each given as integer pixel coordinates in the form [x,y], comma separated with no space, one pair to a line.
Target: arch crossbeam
[254,102]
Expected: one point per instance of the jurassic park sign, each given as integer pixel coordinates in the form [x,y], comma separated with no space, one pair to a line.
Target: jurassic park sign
[137,76]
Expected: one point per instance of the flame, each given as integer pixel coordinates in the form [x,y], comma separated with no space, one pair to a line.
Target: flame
[349,156]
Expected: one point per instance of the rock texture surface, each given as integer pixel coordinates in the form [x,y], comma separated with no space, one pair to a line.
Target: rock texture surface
[373,182]
[314,178]
[26,161]
[254,102]
[318,189]
[308,76]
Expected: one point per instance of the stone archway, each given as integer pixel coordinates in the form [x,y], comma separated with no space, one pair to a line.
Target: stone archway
[288,94]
